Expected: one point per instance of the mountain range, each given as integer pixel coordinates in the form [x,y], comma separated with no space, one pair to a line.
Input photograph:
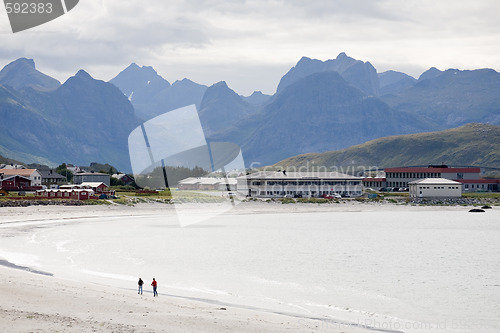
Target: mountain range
[80,121]
[319,106]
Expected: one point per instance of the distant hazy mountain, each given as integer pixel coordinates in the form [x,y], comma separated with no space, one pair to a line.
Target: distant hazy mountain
[181,93]
[23,130]
[319,106]
[140,84]
[430,74]
[469,145]
[360,74]
[152,95]
[317,113]
[22,74]
[94,106]
[392,82]
[452,98]
[221,108]
[84,120]
[257,98]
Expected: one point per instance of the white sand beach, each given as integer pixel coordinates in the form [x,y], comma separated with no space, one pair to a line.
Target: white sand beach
[36,303]
[32,302]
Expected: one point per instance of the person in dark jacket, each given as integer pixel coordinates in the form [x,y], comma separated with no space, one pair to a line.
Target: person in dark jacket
[155,285]
[140,283]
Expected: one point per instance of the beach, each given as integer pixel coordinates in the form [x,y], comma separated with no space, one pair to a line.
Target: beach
[34,301]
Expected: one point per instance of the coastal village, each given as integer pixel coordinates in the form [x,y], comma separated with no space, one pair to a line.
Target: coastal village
[433,181]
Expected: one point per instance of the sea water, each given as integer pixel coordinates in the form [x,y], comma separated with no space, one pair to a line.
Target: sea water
[409,271]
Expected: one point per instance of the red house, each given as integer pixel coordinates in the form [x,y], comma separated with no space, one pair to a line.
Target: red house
[15,183]
[79,194]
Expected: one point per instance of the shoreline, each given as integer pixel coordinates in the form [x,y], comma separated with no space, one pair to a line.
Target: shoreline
[32,303]
[39,302]
[40,213]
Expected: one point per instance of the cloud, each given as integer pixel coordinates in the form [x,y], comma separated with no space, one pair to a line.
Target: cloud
[206,39]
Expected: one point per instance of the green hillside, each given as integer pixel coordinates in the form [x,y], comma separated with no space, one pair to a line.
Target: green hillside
[473,144]
[5,160]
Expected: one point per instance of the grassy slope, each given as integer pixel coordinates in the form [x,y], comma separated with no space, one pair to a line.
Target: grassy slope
[472,144]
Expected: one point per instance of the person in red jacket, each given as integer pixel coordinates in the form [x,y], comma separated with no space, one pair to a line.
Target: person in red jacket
[154,284]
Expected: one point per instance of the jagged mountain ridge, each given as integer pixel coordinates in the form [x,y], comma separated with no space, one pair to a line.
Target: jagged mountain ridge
[392,82]
[320,112]
[360,74]
[81,121]
[22,73]
[152,95]
[293,121]
[452,98]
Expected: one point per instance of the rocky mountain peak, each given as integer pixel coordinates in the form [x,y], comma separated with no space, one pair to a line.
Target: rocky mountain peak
[22,73]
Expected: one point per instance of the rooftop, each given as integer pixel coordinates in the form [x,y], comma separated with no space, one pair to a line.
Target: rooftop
[207,181]
[434,169]
[435,181]
[300,175]
[20,172]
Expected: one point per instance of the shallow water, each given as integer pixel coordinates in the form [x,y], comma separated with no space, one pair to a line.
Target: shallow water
[412,271]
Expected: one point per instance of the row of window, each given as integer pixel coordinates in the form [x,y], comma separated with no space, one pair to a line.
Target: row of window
[397,184]
[440,187]
[472,186]
[307,192]
[50,180]
[302,183]
[413,175]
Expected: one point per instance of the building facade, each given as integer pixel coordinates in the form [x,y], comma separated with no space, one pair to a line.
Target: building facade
[480,185]
[33,174]
[374,182]
[15,183]
[73,194]
[400,177]
[92,177]
[435,188]
[50,178]
[271,184]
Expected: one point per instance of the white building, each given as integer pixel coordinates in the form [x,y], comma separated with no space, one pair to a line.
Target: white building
[435,188]
[207,184]
[275,184]
[92,177]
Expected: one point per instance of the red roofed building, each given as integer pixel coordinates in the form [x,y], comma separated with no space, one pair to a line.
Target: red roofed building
[400,177]
[14,183]
[480,185]
[469,177]
[374,182]
[33,174]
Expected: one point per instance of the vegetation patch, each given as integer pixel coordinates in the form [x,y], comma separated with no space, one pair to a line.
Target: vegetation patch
[314,200]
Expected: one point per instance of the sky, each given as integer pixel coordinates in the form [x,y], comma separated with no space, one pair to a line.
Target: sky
[252,44]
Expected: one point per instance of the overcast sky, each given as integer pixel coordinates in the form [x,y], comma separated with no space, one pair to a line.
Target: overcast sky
[251,44]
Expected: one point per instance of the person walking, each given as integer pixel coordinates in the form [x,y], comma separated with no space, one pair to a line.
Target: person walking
[155,285]
[140,283]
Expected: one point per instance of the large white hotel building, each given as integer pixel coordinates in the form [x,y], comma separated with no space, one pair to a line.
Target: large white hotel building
[275,184]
